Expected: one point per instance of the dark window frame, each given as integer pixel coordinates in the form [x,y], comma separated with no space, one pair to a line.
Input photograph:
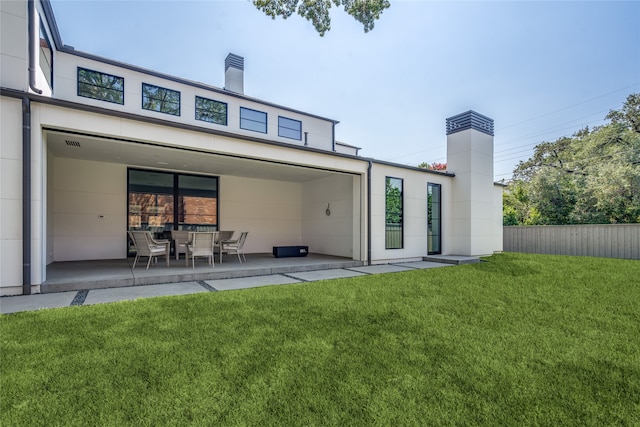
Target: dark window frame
[392,234]
[430,204]
[281,127]
[106,88]
[175,192]
[162,102]
[202,113]
[245,119]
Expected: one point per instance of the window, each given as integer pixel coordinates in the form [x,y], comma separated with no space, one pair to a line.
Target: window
[434,215]
[46,56]
[164,201]
[289,128]
[159,99]
[393,214]
[151,200]
[211,111]
[197,203]
[96,85]
[253,120]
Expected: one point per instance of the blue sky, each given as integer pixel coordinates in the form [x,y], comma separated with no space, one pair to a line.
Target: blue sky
[541,70]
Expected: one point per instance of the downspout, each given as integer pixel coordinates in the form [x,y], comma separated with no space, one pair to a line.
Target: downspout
[26,196]
[33,36]
[26,152]
[369,212]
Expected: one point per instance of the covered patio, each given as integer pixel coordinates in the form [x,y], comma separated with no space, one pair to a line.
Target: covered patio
[81,275]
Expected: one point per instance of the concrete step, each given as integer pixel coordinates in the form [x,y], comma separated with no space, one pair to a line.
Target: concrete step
[452,259]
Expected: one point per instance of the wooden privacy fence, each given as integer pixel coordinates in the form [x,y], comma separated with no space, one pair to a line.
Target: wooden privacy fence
[600,240]
[393,238]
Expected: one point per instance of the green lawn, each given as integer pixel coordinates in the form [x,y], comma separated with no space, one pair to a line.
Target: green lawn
[517,340]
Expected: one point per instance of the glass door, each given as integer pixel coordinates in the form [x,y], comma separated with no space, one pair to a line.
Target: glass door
[197,203]
[150,200]
[163,201]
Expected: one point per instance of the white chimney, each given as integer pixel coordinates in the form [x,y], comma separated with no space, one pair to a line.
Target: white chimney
[234,73]
[470,158]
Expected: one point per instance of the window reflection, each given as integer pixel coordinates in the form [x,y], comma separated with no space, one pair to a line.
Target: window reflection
[393,214]
[46,56]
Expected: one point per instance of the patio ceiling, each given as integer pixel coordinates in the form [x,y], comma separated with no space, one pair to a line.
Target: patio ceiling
[100,149]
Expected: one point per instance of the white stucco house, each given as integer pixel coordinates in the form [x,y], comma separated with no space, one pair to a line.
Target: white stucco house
[91,147]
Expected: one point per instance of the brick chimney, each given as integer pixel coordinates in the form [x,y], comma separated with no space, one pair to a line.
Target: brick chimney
[234,73]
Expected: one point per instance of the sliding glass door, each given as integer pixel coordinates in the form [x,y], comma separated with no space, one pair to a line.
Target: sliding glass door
[151,200]
[197,203]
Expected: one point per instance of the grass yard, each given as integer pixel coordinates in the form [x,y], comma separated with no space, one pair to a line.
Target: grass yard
[517,340]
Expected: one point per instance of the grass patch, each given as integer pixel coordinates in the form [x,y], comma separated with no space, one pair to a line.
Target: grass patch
[517,340]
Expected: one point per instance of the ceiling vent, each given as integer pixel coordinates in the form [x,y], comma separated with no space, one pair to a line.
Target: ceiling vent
[72,143]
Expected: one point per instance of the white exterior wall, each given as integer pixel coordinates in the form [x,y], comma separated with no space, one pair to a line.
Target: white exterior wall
[346,149]
[13,74]
[320,132]
[83,191]
[13,45]
[10,196]
[470,158]
[331,234]
[98,124]
[269,210]
[11,165]
[414,187]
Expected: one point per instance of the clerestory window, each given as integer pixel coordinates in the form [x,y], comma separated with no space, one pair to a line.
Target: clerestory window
[102,86]
[253,120]
[289,128]
[160,99]
[211,111]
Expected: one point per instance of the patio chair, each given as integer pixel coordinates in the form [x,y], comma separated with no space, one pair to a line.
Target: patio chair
[180,239]
[235,246]
[223,236]
[147,246]
[201,245]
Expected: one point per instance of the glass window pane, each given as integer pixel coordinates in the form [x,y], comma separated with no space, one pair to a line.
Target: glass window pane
[289,128]
[253,120]
[160,99]
[211,111]
[394,214]
[150,201]
[434,212]
[197,202]
[46,56]
[105,87]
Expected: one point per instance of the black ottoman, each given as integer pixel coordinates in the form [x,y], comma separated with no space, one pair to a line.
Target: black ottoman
[290,251]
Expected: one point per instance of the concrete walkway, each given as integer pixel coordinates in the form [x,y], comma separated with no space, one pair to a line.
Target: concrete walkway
[99,296]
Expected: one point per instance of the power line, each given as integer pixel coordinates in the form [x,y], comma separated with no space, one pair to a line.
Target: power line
[570,106]
[525,147]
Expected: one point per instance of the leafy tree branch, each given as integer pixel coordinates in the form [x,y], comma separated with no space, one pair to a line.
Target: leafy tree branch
[317,11]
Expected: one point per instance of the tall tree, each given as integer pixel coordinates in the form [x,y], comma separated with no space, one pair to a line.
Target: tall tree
[629,115]
[317,11]
[435,166]
[591,177]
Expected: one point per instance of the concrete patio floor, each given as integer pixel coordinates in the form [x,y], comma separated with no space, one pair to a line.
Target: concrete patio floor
[95,282]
